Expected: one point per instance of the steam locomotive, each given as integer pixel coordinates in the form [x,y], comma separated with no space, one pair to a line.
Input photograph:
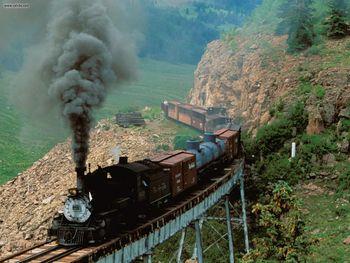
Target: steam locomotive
[111,197]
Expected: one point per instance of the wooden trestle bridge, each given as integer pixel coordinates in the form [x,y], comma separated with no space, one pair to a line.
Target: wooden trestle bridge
[137,243]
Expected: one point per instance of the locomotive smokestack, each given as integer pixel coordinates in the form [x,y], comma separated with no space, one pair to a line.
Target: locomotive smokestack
[80,178]
[123,160]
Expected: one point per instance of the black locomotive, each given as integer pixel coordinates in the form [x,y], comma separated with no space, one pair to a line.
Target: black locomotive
[109,198]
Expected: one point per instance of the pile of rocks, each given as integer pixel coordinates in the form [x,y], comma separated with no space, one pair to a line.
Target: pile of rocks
[29,202]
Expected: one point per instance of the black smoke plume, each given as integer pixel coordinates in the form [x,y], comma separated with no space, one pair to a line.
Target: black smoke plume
[84,54]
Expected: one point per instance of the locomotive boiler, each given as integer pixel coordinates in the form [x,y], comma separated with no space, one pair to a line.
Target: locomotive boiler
[110,198]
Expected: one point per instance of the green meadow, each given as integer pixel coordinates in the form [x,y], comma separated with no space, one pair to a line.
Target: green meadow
[23,141]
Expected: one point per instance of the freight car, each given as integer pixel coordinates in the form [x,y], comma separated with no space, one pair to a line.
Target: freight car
[199,118]
[116,195]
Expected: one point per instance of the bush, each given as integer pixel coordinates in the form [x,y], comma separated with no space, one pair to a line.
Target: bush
[281,228]
[314,50]
[153,114]
[298,116]
[319,91]
[318,144]
[344,125]
[281,168]
[304,87]
[277,108]
[344,179]
[269,138]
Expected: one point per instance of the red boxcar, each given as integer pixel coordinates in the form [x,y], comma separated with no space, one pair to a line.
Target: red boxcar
[181,166]
[232,141]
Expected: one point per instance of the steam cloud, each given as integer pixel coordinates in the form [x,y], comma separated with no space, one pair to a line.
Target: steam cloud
[82,57]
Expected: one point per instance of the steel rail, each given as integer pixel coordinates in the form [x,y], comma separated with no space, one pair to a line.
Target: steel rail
[39,254]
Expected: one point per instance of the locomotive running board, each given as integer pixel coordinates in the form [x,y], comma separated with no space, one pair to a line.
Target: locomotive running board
[138,242]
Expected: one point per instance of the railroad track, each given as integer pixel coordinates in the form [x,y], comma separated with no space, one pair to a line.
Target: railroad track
[52,252]
[45,252]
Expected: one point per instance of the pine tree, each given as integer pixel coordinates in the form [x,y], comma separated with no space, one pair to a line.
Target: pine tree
[337,27]
[297,23]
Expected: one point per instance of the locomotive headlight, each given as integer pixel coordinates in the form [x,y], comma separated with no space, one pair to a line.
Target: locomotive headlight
[77,209]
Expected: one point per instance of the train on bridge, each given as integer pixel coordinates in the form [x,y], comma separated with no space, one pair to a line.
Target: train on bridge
[113,197]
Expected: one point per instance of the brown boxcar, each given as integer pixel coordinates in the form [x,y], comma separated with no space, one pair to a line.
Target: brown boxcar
[181,167]
[231,141]
[198,118]
[185,113]
[173,110]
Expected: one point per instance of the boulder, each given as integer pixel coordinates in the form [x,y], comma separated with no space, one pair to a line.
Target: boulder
[327,113]
[344,113]
[329,159]
[315,125]
[346,241]
[343,146]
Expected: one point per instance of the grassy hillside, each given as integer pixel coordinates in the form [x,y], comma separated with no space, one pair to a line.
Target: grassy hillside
[20,148]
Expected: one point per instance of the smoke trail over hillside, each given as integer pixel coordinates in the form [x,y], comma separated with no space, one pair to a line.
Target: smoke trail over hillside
[83,55]
[87,53]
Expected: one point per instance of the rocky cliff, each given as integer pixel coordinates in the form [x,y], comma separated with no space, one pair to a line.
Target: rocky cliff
[251,76]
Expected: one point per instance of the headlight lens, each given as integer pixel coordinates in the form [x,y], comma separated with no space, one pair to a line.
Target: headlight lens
[77,209]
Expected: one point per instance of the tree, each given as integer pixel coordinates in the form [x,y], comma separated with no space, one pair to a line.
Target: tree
[297,23]
[336,25]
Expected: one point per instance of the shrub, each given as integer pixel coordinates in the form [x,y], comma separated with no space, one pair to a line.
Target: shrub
[344,125]
[280,168]
[153,113]
[344,179]
[319,91]
[277,108]
[314,50]
[269,138]
[298,116]
[281,228]
[318,144]
[304,87]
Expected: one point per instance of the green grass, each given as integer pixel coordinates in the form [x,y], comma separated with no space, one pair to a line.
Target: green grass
[328,223]
[19,148]
[157,81]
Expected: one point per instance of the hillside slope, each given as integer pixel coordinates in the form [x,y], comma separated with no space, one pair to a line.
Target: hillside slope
[252,76]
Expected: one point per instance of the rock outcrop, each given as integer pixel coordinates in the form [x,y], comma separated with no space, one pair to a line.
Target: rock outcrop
[258,74]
